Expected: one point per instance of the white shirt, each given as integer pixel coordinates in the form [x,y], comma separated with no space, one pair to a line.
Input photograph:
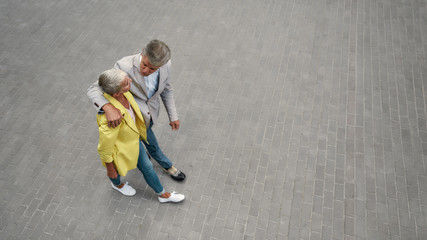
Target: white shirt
[131,112]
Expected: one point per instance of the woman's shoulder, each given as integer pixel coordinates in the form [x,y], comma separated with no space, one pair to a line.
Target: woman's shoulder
[101,119]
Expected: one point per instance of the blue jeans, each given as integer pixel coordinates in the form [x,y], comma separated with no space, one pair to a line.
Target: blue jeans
[146,167]
[154,149]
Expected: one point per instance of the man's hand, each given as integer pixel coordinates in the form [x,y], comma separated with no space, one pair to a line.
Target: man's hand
[174,125]
[114,116]
[111,171]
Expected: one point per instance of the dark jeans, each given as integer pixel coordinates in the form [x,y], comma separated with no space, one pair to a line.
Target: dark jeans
[154,149]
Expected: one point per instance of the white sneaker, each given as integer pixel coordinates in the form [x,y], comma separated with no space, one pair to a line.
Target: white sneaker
[126,190]
[175,197]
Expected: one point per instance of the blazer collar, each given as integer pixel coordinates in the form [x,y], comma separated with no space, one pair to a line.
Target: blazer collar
[137,73]
[134,105]
[136,61]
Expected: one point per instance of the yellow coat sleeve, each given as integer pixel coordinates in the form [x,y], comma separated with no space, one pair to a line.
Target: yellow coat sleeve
[107,140]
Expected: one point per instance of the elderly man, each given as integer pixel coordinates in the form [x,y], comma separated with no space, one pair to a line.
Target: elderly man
[150,72]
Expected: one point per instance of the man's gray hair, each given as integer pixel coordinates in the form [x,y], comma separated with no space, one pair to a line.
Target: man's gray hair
[110,80]
[157,52]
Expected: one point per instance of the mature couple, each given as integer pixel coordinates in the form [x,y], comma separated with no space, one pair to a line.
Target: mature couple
[127,100]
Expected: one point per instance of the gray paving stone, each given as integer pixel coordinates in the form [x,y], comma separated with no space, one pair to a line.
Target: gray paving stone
[307,121]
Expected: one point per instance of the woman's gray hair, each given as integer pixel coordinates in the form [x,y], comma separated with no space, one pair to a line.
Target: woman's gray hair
[110,80]
[157,52]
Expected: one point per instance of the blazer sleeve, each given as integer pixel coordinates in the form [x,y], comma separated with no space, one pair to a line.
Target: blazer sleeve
[107,140]
[96,96]
[167,97]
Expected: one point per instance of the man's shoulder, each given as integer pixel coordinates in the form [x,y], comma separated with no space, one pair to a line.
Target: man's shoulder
[168,64]
[126,62]
[128,58]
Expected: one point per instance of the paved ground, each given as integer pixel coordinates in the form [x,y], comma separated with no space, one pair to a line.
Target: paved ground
[300,119]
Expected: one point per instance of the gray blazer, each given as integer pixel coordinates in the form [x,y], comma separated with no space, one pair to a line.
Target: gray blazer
[150,107]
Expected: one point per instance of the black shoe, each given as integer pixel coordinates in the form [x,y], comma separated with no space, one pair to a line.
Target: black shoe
[179,177]
[175,174]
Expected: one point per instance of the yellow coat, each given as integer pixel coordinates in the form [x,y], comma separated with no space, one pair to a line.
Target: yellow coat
[120,145]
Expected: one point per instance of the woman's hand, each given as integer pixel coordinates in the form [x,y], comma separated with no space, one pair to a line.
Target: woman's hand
[111,171]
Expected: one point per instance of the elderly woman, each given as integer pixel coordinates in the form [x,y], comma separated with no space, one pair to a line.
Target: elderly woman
[119,148]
